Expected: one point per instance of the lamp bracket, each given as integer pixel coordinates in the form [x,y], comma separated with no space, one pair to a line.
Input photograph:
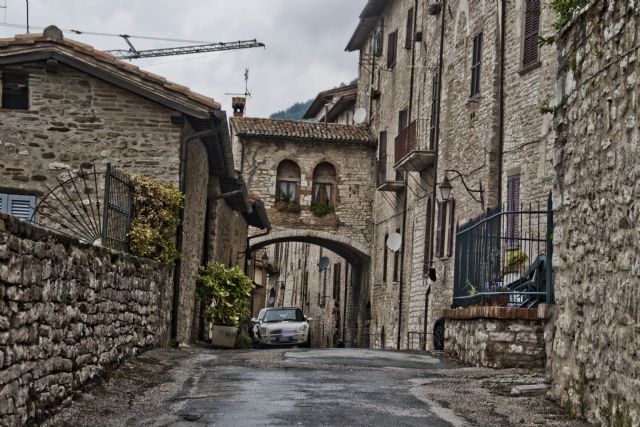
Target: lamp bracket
[466,187]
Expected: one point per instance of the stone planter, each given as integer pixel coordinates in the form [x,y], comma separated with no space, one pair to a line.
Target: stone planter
[223,336]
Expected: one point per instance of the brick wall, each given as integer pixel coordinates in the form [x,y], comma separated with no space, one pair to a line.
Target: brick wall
[68,312]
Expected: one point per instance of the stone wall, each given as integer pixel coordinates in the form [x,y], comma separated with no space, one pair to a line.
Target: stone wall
[77,120]
[593,343]
[68,312]
[495,337]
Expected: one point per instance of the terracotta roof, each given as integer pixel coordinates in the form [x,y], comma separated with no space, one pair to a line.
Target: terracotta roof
[52,39]
[292,129]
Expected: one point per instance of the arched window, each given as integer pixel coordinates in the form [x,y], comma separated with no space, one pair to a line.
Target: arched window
[324,179]
[288,181]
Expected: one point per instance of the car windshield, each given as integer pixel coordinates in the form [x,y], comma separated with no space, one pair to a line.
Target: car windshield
[293,315]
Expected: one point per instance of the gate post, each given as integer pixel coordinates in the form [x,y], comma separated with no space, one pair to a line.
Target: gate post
[549,262]
[107,201]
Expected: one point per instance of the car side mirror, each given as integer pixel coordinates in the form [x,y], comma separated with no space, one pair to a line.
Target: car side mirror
[309,319]
[254,320]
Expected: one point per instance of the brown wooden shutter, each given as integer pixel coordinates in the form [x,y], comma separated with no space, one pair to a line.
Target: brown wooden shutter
[531,33]
[452,227]
[513,202]
[427,239]
[442,207]
[385,259]
[392,48]
[409,37]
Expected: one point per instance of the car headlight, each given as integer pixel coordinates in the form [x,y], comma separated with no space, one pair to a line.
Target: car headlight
[263,331]
[303,328]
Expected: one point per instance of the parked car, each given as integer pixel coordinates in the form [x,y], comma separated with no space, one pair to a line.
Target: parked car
[281,326]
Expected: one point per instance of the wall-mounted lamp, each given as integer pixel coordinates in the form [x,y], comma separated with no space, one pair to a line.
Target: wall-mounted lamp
[265,259]
[446,187]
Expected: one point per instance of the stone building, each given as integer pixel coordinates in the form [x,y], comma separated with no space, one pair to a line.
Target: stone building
[592,340]
[334,106]
[452,90]
[67,106]
[316,183]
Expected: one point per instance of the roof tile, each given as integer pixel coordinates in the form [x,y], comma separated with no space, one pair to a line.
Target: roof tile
[292,129]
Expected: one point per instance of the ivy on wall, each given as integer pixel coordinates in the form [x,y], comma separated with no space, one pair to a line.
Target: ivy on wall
[156,216]
[566,9]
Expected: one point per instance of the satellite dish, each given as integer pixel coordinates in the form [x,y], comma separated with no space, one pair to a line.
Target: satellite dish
[360,116]
[323,264]
[394,242]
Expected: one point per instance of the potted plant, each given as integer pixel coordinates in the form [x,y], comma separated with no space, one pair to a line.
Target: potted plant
[500,296]
[321,209]
[288,204]
[225,294]
[515,259]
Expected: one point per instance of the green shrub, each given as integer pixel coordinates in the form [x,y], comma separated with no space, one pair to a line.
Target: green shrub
[156,216]
[321,209]
[516,258]
[225,294]
[566,9]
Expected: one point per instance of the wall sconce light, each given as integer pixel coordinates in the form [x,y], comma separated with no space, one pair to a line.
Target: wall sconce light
[446,188]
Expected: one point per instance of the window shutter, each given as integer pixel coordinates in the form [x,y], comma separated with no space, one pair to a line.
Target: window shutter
[21,206]
[427,240]
[440,229]
[513,202]
[451,227]
[391,49]
[385,259]
[409,39]
[531,32]
[476,65]
[382,147]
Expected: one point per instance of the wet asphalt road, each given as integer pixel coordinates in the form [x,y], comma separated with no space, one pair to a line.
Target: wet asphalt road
[310,387]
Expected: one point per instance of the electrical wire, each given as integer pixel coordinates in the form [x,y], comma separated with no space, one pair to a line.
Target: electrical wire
[93,33]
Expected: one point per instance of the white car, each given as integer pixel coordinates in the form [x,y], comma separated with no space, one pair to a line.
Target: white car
[281,326]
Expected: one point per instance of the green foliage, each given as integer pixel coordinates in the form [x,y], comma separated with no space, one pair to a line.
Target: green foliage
[156,216]
[566,9]
[472,289]
[544,41]
[225,293]
[545,108]
[321,209]
[516,258]
[244,340]
[295,112]
[287,205]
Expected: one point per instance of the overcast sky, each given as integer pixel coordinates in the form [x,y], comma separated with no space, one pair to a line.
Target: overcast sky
[305,41]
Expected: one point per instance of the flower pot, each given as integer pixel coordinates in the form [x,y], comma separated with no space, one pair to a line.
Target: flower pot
[223,336]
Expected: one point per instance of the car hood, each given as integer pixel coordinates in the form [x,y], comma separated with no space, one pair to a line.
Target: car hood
[282,325]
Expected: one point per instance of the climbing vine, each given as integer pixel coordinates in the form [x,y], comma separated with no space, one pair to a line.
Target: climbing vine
[156,216]
[566,9]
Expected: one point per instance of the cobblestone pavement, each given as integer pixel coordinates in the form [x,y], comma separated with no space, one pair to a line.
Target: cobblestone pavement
[333,387]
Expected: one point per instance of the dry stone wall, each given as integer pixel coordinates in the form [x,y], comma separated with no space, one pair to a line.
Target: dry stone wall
[68,312]
[593,343]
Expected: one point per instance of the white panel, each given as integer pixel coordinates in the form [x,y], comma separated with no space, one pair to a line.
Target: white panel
[22,206]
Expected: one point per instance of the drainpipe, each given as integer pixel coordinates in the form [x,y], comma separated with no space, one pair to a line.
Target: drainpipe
[503,21]
[182,185]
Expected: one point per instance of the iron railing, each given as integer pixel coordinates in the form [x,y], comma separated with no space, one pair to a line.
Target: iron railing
[504,258]
[406,141]
[118,201]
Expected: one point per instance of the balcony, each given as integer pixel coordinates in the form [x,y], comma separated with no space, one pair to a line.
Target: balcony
[408,155]
[383,181]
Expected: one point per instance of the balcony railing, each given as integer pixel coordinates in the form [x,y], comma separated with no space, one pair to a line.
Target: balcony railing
[409,155]
[406,141]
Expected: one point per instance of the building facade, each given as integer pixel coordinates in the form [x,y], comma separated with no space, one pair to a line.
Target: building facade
[453,90]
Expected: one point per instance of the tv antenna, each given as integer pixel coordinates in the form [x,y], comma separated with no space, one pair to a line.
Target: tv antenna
[246,93]
[134,53]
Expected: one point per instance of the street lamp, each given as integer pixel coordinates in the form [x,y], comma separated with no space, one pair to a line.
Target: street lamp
[265,259]
[446,187]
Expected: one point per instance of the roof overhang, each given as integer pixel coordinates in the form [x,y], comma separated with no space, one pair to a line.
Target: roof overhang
[344,104]
[112,75]
[368,18]
[321,100]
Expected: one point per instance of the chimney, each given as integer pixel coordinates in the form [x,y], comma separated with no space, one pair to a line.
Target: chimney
[238,103]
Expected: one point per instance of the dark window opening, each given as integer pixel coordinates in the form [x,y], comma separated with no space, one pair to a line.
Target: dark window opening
[336,280]
[452,227]
[324,178]
[409,37]
[403,120]
[385,258]
[396,263]
[288,180]
[392,47]
[15,91]
[531,33]
[476,65]
[441,228]
[427,239]
[435,107]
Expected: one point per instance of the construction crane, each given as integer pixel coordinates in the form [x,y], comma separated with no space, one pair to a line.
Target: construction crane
[134,53]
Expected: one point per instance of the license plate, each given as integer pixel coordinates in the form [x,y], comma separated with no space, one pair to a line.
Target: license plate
[288,332]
